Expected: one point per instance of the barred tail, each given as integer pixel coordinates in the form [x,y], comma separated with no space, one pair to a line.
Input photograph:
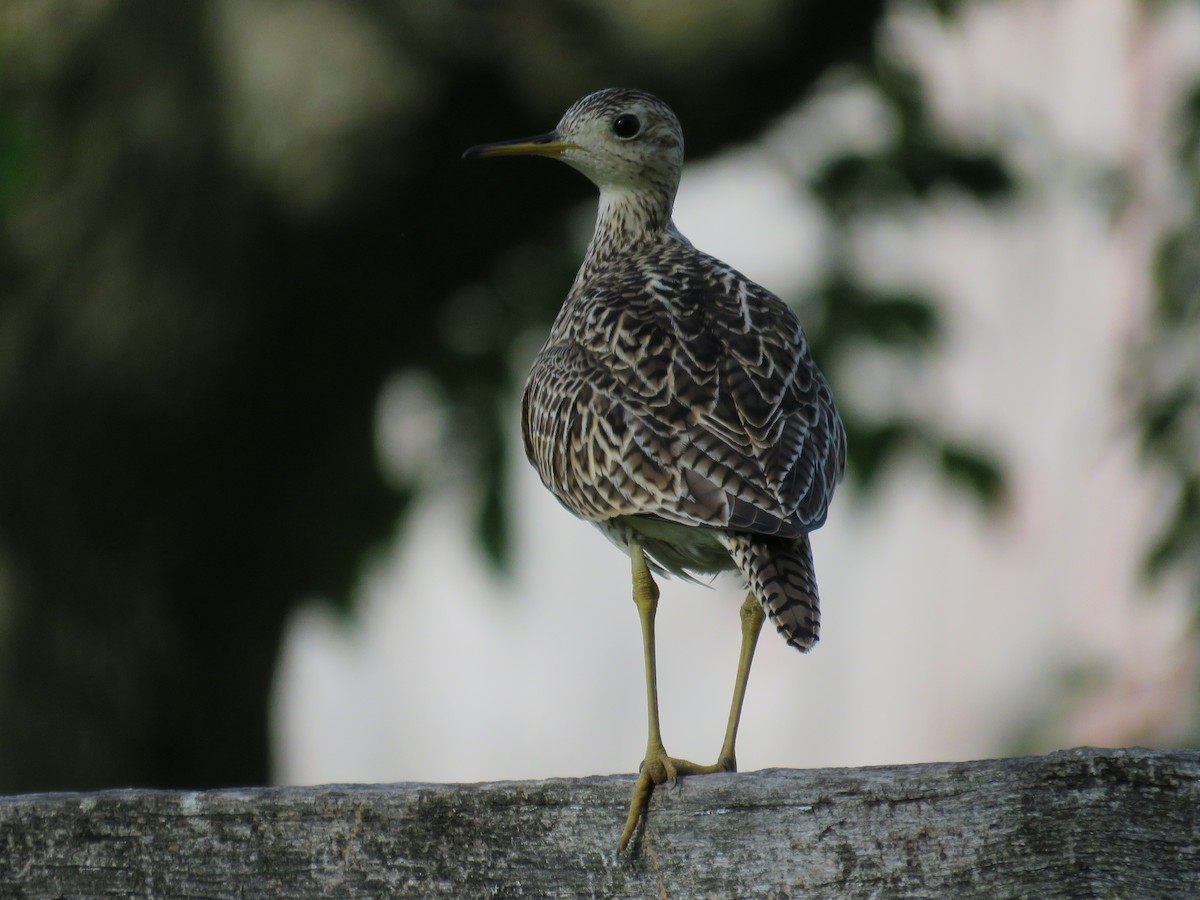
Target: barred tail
[780,574]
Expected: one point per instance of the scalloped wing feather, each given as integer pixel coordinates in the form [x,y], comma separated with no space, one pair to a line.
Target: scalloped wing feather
[674,386]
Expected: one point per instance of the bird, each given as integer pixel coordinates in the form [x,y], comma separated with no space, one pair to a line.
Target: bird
[675,405]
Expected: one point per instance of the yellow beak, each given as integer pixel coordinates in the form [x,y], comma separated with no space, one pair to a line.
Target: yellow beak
[550,144]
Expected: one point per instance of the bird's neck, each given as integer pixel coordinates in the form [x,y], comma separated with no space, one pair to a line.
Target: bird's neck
[627,220]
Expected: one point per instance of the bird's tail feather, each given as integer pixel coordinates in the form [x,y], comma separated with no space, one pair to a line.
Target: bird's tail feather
[780,574]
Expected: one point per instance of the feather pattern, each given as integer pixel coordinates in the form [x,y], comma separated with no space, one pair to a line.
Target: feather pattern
[675,402]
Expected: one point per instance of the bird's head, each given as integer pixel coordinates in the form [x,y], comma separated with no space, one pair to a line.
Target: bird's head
[624,140]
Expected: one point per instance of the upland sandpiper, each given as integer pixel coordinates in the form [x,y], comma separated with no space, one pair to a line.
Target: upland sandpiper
[675,405]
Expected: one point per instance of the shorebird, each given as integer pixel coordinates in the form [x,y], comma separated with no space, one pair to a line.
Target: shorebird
[675,404]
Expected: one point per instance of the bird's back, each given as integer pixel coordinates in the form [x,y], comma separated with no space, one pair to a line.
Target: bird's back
[675,404]
[673,386]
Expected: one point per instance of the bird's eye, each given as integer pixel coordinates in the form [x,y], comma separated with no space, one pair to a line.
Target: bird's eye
[626,126]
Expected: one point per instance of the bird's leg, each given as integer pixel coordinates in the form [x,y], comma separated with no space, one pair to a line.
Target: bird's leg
[645,596]
[752,616]
[657,767]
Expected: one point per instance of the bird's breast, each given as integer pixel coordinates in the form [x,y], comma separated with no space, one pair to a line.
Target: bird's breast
[680,549]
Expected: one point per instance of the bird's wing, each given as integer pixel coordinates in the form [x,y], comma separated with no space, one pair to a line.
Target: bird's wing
[694,399]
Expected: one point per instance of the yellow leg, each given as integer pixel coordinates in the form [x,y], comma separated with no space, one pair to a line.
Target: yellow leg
[658,767]
[645,595]
[752,616]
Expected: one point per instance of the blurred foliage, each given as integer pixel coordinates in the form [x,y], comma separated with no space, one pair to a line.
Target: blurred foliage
[850,315]
[1167,392]
[918,159]
[195,335]
[192,360]
[18,155]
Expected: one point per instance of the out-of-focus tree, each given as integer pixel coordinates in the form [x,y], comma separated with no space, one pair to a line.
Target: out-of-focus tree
[917,159]
[226,222]
[1165,376]
[1167,368]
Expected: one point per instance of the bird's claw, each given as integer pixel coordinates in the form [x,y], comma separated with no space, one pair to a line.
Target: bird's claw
[658,768]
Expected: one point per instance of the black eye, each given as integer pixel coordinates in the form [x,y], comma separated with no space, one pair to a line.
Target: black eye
[626,126]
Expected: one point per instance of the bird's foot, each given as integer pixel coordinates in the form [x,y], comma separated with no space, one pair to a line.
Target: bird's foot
[659,768]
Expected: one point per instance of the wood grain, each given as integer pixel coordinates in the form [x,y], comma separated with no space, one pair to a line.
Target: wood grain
[1078,823]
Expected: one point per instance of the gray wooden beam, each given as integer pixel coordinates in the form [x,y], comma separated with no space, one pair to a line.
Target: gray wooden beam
[1079,823]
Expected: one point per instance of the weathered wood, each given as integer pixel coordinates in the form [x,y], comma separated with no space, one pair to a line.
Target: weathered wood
[1079,823]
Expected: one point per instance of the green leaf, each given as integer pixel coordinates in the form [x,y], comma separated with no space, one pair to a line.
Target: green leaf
[853,313]
[1161,415]
[975,470]
[870,446]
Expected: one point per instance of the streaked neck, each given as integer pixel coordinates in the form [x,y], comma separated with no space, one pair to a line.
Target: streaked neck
[627,220]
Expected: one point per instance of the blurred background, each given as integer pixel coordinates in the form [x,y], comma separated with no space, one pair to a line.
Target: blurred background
[264,515]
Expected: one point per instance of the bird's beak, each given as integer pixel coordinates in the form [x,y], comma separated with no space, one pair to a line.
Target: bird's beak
[550,144]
